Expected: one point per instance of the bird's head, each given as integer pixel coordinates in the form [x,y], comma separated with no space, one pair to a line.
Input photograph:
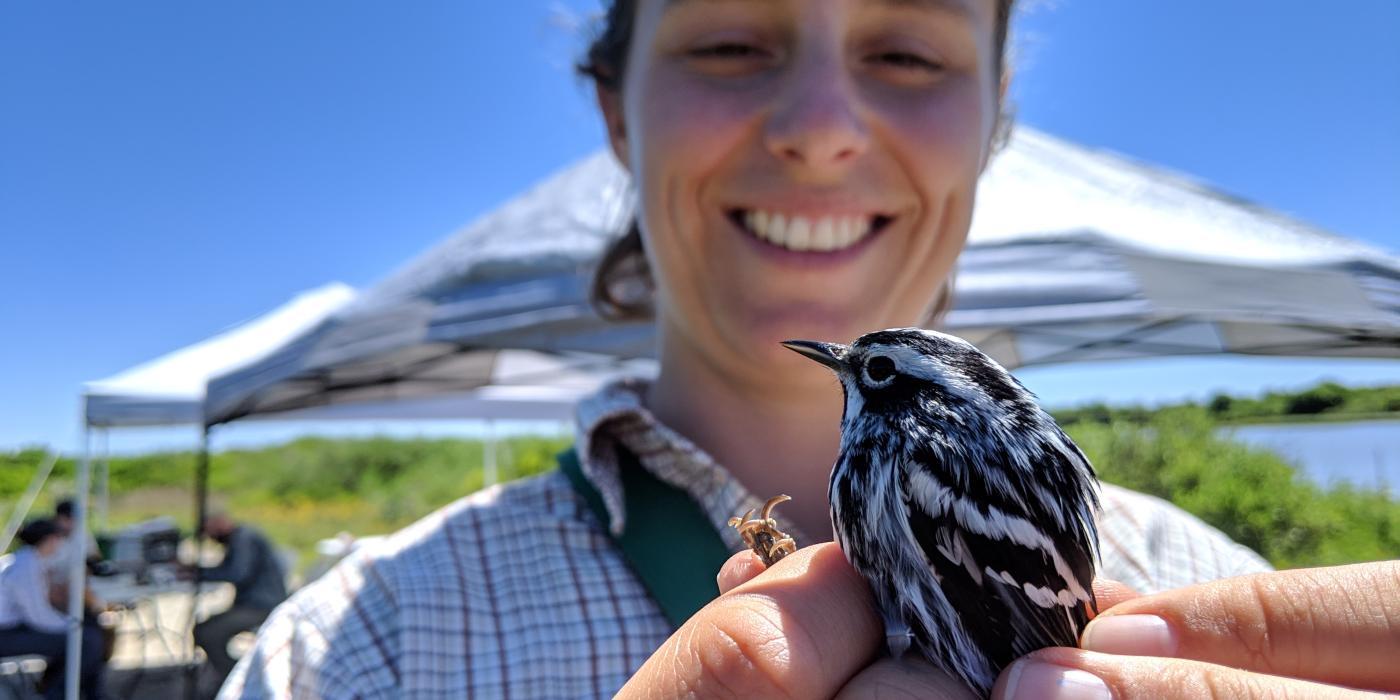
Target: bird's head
[892,372]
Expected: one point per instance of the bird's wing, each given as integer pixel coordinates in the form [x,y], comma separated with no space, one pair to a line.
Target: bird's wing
[1018,582]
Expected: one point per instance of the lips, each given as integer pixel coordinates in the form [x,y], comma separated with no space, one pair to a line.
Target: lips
[799,233]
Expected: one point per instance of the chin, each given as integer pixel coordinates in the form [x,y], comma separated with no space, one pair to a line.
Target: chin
[767,327]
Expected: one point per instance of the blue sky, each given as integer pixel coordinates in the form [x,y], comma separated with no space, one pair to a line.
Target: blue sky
[168,169]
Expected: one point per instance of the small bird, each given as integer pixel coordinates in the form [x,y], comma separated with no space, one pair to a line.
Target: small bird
[965,506]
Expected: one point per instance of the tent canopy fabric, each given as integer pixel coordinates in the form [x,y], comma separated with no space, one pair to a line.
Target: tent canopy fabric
[1074,255]
[519,385]
[169,390]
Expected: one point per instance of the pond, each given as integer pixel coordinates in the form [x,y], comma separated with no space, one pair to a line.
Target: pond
[1366,453]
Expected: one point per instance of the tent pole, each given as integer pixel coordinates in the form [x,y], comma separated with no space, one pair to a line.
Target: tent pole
[201,511]
[75,573]
[489,466]
[104,490]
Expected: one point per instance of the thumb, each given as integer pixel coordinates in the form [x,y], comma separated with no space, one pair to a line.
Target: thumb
[739,569]
[1065,674]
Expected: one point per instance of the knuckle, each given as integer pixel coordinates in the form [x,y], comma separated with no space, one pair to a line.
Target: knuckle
[1263,620]
[740,653]
[1274,642]
[1387,584]
[1220,685]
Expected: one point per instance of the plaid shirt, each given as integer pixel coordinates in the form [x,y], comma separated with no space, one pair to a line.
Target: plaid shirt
[517,591]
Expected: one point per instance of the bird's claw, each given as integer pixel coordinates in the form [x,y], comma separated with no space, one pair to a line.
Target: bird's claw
[762,535]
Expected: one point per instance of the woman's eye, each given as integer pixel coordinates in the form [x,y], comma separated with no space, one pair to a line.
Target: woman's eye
[906,61]
[726,50]
[729,59]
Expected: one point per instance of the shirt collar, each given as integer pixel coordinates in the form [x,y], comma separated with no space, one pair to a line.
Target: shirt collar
[615,419]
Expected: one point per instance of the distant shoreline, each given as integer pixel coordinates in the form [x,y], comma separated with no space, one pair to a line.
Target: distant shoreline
[1313,418]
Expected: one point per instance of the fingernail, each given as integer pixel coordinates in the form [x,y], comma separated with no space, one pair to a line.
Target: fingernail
[1130,635]
[1033,680]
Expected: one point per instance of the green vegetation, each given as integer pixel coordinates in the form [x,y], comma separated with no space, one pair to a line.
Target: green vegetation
[1326,401]
[299,492]
[1251,494]
[312,488]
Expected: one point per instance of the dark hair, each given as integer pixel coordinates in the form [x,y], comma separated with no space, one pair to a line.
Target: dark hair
[35,532]
[622,282]
[64,508]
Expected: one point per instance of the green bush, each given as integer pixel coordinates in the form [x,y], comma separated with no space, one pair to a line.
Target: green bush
[1250,494]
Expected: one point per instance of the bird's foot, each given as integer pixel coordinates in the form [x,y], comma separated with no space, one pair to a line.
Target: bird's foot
[762,535]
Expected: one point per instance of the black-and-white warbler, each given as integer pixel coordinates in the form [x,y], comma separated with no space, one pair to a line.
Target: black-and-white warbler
[963,504]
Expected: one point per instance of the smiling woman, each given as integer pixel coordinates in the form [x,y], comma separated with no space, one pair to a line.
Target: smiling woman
[804,168]
[786,156]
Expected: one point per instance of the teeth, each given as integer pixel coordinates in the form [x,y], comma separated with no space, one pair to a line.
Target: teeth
[824,235]
[777,229]
[846,233]
[803,234]
[799,234]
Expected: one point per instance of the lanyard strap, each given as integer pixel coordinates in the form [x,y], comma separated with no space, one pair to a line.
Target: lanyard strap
[668,542]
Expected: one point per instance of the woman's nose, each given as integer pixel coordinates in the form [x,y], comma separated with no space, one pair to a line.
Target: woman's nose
[816,120]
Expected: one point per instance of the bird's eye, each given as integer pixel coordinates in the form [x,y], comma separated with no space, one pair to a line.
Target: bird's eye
[879,369]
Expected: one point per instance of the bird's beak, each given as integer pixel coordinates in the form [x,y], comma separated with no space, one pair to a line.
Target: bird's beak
[829,354]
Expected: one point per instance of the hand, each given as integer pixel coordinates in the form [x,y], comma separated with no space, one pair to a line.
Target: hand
[1278,635]
[806,628]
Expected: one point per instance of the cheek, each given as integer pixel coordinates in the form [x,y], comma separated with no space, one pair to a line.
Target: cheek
[682,132]
[939,142]
[942,136]
[683,128]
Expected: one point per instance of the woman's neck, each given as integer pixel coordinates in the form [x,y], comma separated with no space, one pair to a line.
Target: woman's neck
[775,438]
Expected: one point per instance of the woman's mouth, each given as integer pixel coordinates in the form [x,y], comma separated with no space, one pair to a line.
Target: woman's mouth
[804,234]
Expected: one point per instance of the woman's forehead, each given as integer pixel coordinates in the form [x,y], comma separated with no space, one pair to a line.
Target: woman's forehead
[953,6]
[968,9]
[976,13]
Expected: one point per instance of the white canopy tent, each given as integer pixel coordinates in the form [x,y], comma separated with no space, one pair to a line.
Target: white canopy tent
[1080,255]
[520,385]
[169,391]
[1074,255]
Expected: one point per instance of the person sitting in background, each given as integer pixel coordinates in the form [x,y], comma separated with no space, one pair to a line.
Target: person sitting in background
[259,580]
[59,568]
[84,546]
[30,625]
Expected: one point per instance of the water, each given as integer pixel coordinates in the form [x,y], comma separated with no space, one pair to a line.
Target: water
[1366,453]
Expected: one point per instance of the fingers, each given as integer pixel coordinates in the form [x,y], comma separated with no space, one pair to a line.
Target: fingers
[738,569]
[801,629]
[1334,625]
[1065,674]
[1108,593]
[909,677]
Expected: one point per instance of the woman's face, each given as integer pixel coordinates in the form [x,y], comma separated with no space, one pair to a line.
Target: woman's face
[805,168]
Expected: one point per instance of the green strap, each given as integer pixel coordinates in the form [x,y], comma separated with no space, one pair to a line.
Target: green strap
[668,541]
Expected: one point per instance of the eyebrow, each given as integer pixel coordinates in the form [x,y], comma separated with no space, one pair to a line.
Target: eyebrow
[956,7]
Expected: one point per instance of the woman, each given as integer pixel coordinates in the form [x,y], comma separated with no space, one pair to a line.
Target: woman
[805,168]
[30,625]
